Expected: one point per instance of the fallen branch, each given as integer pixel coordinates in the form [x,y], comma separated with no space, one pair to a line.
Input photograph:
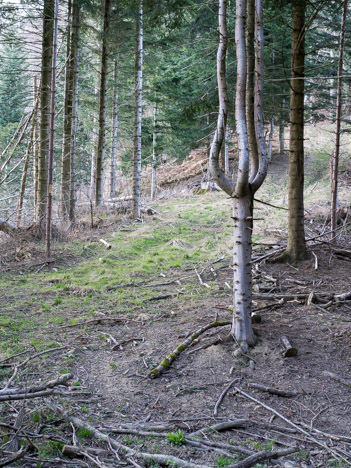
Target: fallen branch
[8,228]
[291,423]
[165,363]
[223,394]
[337,378]
[223,426]
[272,390]
[289,350]
[201,281]
[127,451]
[261,456]
[106,244]
[62,380]
[97,320]
[17,456]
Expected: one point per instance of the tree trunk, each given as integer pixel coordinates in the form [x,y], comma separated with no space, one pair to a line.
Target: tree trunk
[138,114]
[335,157]
[250,88]
[242,192]
[114,134]
[75,70]
[45,86]
[226,152]
[270,139]
[282,129]
[154,156]
[30,147]
[100,156]
[51,134]
[67,122]
[242,217]
[35,150]
[296,249]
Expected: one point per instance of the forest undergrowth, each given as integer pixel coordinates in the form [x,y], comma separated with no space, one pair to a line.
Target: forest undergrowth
[80,336]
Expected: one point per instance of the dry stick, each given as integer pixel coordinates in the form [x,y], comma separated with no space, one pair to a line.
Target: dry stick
[23,363]
[223,426]
[223,394]
[61,380]
[97,320]
[270,204]
[106,244]
[201,281]
[311,438]
[337,378]
[261,456]
[165,363]
[128,452]
[17,456]
[272,390]
[19,141]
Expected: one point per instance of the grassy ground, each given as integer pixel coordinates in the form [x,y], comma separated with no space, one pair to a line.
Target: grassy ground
[132,281]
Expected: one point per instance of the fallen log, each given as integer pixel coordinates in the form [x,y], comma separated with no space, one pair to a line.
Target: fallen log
[289,350]
[7,227]
[167,361]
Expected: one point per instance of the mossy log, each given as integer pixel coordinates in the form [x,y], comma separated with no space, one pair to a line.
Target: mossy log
[167,361]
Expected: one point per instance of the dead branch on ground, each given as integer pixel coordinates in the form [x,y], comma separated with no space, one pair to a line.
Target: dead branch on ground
[166,362]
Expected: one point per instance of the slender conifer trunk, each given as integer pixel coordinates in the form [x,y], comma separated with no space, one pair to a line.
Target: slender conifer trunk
[67,122]
[51,134]
[296,249]
[100,156]
[114,133]
[154,157]
[75,68]
[45,86]
[336,154]
[138,114]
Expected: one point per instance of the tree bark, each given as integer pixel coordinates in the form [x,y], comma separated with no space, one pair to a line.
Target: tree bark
[250,88]
[138,114]
[154,156]
[75,67]
[114,134]
[67,122]
[51,135]
[248,179]
[35,150]
[336,154]
[45,86]
[30,147]
[100,156]
[296,249]
[282,129]
[270,139]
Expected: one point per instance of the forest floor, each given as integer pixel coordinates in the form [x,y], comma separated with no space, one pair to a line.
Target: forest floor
[109,316]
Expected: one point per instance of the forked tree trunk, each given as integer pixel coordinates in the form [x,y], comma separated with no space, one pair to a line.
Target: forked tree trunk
[75,66]
[114,134]
[67,122]
[138,114]
[248,179]
[51,134]
[296,249]
[154,157]
[100,156]
[45,87]
[336,154]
